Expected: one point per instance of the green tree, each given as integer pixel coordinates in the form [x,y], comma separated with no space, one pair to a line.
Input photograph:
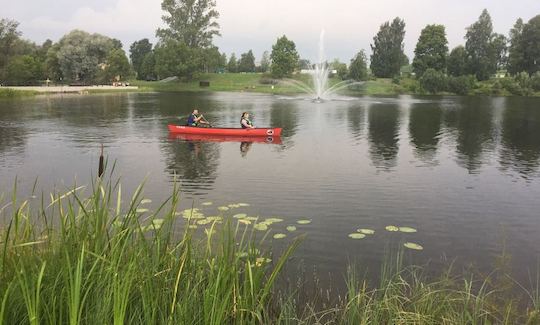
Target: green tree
[341,69]
[431,50]
[499,46]
[23,70]
[79,55]
[358,67]
[457,62]
[211,59]
[433,81]
[116,67]
[516,61]
[284,57]
[531,45]
[9,35]
[246,62]
[175,58]
[192,22]
[148,67]
[232,66]
[265,62]
[137,52]
[482,58]
[387,49]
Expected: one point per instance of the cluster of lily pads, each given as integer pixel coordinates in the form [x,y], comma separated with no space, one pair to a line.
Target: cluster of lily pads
[363,232]
[197,218]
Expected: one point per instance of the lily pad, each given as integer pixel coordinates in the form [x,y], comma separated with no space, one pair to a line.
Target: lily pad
[192,214]
[244,221]
[357,235]
[303,222]
[273,220]
[223,208]
[279,236]
[203,222]
[262,260]
[240,216]
[413,246]
[261,226]
[157,222]
[192,226]
[243,204]
[145,201]
[207,203]
[392,228]
[214,218]
[366,231]
[141,210]
[407,229]
[252,218]
[291,228]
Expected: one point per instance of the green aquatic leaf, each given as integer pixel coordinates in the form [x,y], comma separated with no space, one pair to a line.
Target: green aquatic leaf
[407,229]
[243,204]
[291,228]
[192,214]
[241,254]
[207,203]
[244,221]
[203,222]
[392,228]
[223,208]
[233,206]
[158,222]
[240,216]
[145,201]
[273,220]
[215,218]
[303,222]
[252,218]
[261,226]
[366,231]
[357,235]
[259,261]
[141,210]
[413,246]
[279,236]
[192,226]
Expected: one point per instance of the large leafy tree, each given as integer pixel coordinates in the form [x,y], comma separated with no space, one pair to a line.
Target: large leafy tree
[284,57]
[247,62]
[232,66]
[137,52]
[192,22]
[531,45]
[515,50]
[148,67]
[457,62]
[431,50]
[358,67]
[265,61]
[175,58]
[116,67]
[388,57]
[23,70]
[9,35]
[483,47]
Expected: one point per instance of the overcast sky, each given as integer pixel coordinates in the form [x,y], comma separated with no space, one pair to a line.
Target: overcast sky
[255,24]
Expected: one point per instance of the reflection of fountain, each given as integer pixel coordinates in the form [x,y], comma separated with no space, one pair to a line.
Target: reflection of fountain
[319,77]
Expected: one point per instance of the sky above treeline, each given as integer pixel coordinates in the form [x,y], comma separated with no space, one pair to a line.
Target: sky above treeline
[255,24]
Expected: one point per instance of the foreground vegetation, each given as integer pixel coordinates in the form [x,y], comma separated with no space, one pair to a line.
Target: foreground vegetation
[95,261]
[12,93]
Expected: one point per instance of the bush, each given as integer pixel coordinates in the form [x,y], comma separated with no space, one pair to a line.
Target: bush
[535,81]
[433,81]
[410,85]
[461,85]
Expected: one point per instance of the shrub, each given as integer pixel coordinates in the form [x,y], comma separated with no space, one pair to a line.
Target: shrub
[535,81]
[433,81]
[461,85]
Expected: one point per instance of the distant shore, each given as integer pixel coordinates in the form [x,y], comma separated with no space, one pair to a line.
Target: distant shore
[70,89]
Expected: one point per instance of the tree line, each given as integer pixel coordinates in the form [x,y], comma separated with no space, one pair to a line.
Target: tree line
[185,49]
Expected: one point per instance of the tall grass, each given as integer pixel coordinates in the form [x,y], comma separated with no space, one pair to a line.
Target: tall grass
[91,259]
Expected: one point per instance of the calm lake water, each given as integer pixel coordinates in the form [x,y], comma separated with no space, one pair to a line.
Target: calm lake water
[464,171]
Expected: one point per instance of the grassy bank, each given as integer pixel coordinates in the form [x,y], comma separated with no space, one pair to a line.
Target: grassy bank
[12,93]
[96,260]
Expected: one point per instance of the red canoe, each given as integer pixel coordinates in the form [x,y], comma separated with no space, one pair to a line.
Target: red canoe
[258,132]
[224,138]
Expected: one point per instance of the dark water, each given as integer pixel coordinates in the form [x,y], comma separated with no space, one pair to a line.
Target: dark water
[464,171]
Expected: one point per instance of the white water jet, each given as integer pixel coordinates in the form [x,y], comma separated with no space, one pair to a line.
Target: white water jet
[320,73]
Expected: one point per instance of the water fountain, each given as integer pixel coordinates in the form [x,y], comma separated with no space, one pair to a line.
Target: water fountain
[319,90]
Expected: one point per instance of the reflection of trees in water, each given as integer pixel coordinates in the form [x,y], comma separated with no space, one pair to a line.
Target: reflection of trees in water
[424,130]
[194,162]
[12,139]
[384,134]
[521,139]
[473,123]
[356,119]
[284,114]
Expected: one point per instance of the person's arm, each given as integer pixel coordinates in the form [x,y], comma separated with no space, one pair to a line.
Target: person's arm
[245,124]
